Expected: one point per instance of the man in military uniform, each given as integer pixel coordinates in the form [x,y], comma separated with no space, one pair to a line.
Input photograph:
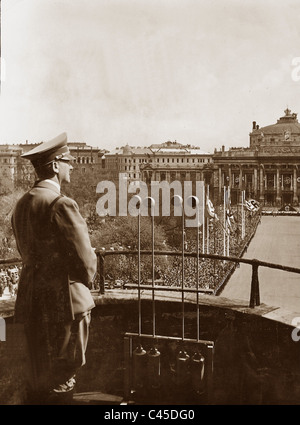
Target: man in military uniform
[59,265]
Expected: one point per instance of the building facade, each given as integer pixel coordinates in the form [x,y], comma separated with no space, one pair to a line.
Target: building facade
[16,171]
[166,161]
[268,170]
[86,157]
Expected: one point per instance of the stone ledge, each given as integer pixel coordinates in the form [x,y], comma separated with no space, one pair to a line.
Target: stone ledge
[126,296]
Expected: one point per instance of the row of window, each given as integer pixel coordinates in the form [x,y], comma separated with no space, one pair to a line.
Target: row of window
[8,161]
[84,160]
[168,160]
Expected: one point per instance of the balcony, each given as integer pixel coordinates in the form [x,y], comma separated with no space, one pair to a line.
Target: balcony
[248,354]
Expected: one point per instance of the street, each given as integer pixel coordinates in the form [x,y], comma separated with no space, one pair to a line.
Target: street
[277,240]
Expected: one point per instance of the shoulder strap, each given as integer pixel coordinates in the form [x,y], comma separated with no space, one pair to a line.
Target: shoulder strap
[54,201]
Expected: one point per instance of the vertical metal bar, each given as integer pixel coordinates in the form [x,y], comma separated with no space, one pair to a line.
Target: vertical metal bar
[139,274]
[209,372]
[254,286]
[153,273]
[257,297]
[242,215]
[207,222]
[203,218]
[182,274]
[101,273]
[127,366]
[228,233]
[198,312]
[224,231]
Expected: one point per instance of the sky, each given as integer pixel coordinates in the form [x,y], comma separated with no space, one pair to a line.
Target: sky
[112,72]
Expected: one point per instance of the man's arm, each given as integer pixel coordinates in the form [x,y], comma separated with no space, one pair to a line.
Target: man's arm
[74,233]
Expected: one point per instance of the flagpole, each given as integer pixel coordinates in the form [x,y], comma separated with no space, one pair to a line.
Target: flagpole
[207,222]
[203,221]
[243,215]
[224,231]
[228,207]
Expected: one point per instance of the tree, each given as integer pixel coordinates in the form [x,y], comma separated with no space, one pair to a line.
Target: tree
[121,233]
[8,245]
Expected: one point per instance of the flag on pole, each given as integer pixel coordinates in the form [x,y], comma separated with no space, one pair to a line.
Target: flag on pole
[229,219]
[228,216]
[210,209]
[251,205]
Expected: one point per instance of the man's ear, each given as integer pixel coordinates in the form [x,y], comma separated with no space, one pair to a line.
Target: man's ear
[55,167]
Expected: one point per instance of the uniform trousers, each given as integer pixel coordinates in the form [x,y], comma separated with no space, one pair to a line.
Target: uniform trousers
[55,352]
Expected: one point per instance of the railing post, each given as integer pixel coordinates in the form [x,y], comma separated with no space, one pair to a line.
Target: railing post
[101,273]
[254,295]
[127,367]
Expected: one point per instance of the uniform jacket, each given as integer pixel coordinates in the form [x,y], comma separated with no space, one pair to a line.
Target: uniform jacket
[54,244]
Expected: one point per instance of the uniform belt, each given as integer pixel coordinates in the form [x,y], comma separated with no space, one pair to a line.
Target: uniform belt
[31,265]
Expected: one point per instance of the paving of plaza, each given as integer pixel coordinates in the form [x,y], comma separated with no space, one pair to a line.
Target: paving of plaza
[277,240]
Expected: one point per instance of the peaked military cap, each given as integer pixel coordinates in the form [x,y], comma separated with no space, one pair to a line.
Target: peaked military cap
[46,152]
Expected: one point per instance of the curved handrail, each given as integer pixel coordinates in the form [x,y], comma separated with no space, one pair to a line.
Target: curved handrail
[254,294]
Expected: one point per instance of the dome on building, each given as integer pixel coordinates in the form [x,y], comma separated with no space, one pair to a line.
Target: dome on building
[288,122]
[286,130]
[127,150]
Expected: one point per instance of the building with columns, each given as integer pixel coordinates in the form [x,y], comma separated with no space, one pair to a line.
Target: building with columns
[172,161]
[165,161]
[268,170]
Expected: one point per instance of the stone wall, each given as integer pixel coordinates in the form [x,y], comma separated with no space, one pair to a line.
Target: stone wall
[255,359]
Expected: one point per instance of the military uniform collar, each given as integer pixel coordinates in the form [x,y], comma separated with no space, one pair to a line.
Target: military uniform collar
[49,184]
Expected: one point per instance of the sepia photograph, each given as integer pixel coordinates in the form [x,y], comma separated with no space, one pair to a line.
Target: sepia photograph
[149,205]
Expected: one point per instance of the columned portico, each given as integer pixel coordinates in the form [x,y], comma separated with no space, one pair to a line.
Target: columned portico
[261,185]
[278,189]
[255,182]
[268,170]
[295,196]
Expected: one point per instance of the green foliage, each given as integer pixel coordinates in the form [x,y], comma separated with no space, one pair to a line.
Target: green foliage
[121,233]
[82,188]
[8,245]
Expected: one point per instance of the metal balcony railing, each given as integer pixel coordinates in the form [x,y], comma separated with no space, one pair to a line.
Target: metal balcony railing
[254,263]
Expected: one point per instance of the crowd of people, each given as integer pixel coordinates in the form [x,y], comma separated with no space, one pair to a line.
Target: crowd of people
[9,279]
[211,272]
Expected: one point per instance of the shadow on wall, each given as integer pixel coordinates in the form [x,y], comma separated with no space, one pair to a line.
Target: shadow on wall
[255,360]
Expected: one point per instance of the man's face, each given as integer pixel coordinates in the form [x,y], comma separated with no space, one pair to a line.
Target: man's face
[65,169]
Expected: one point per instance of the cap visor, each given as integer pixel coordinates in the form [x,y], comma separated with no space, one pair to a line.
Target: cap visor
[67,157]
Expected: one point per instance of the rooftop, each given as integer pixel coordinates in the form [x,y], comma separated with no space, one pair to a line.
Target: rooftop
[288,122]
